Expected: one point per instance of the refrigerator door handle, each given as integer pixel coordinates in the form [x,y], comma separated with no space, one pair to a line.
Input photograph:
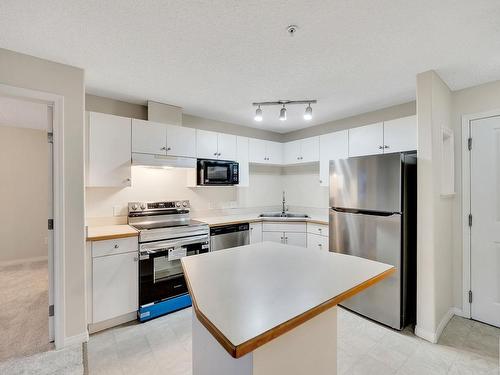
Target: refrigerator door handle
[364,212]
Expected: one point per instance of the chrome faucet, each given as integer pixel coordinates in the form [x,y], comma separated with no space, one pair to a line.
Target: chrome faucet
[283,209]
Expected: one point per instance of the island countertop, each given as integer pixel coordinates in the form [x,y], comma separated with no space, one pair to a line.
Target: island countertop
[249,295]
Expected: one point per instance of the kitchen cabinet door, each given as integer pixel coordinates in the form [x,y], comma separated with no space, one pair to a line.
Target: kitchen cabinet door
[400,134]
[181,141]
[226,146]
[255,232]
[366,140]
[149,137]
[309,150]
[114,286]
[242,159]
[109,146]
[273,236]
[206,144]
[291,152]
[295,239]
[315,241]
[274,152]
[257,151]
[331,147]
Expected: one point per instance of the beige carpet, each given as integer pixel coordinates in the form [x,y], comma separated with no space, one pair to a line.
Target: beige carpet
[24,310]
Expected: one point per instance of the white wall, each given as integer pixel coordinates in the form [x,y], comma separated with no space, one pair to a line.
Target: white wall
[24,167]
[302,188]
[434,221]
[29,72]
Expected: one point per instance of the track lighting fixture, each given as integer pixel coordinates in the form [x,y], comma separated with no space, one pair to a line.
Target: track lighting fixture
[283,113]
[258,114]
[307,114]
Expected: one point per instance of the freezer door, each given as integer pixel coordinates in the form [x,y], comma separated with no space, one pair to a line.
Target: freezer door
[367,182]
[377,238]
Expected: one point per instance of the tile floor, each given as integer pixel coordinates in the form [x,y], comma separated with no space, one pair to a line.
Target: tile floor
[163,346]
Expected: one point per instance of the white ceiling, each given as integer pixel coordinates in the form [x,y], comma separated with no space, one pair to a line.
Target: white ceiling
[23,114]
[214,58]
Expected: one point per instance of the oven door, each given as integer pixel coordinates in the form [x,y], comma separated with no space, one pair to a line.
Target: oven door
[217,172]
[160,269]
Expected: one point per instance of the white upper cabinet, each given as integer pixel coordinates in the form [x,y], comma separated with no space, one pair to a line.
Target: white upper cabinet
[274,152]
[206,144]
[211,145]
[181,141]
[301,151]
[226,146]
[366,140]
[265,152]
[242,159]
[291,152]
[257,150]
[109,145]
[156,138]
[149,137]
[331,147]
[400,134]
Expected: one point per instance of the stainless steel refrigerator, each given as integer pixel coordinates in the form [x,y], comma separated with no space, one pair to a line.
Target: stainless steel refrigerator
[373,216]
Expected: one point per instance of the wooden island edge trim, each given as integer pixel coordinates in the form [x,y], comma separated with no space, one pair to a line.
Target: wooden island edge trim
[237,351]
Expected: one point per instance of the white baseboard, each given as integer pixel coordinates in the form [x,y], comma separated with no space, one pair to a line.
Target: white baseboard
[24,260]
[77,339]
[434,336]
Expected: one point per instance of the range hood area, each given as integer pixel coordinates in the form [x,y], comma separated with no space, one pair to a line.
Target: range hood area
[162,161]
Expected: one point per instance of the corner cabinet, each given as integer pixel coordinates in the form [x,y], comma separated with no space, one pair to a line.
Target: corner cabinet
[265,152]
[301,151]
[211,145]
[108,150]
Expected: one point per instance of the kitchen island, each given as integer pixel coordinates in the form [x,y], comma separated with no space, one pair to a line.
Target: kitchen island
[270,308]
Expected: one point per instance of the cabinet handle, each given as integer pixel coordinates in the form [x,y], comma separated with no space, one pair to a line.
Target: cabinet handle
[168,149]
[298,158]
[218,154]
[163,148]
[380,147]
[320,245]
[319,229]
[215,154]
[386,146]
[117,246]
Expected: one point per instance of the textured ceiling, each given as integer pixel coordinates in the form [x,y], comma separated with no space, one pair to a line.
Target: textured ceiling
[215,57]
[23,114]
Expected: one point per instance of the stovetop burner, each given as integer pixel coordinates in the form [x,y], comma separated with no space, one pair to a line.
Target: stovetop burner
[151,226]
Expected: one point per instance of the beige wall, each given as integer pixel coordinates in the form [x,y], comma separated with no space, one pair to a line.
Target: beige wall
[434,221]
[384,114]
[101,104]
[24,167]
[25,71]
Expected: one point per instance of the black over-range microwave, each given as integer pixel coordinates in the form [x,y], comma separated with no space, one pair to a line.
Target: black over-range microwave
[217,172]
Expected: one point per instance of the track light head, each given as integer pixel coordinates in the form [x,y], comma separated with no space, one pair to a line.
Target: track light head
[283,113]
[308,115]
[258,114]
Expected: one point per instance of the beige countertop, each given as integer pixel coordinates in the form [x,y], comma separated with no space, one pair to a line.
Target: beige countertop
[249,295]
[252,218]
[108,232]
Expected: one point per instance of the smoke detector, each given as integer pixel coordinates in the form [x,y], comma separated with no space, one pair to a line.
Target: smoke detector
[292,29]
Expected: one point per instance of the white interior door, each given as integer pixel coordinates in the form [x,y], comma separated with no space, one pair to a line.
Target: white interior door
[485,210]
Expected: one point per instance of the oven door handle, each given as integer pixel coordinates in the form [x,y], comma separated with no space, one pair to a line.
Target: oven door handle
[165,245]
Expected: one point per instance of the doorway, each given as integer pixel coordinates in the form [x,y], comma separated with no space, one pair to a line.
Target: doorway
[26,251]
[483,222]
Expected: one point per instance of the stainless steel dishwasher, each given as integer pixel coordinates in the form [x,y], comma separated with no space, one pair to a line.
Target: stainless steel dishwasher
[226,236]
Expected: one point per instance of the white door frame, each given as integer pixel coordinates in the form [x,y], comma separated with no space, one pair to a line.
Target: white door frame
[57,102]
[466,196]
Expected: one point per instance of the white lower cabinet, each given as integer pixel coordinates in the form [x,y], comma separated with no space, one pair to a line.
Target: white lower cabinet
[255,232]
[293,233]
[315,241]
[115,284]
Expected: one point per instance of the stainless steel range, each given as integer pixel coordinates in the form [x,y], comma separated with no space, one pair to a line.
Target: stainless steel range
[166,234]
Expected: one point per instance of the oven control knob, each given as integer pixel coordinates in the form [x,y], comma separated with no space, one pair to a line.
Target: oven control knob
[177,204]
[143,206]
[184,204]
[134,207]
